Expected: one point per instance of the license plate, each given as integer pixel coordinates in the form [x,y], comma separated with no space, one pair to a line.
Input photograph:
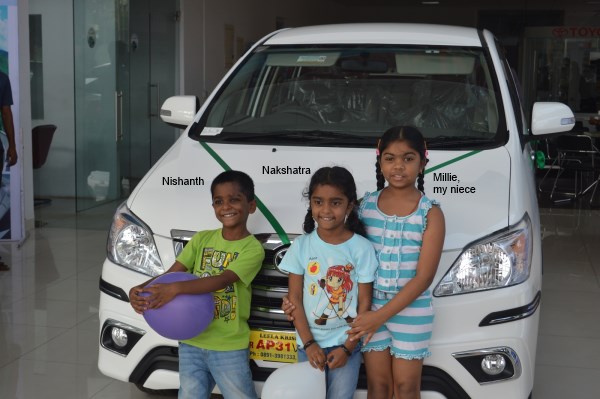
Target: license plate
[273,346]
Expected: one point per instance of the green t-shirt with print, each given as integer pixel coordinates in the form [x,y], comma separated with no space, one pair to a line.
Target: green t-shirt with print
[209,254]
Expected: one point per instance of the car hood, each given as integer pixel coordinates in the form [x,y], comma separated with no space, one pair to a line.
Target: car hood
[472,187]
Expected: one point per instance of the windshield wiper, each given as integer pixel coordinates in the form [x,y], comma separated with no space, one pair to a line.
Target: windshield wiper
[286,136]
[457,141]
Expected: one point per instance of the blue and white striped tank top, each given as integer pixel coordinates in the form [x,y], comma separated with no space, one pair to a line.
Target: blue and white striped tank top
[397,241]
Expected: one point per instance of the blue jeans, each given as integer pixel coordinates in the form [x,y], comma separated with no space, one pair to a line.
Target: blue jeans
[341,382]
[200,369]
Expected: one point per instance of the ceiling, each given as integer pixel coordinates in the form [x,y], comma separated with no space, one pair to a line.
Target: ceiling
[488,4]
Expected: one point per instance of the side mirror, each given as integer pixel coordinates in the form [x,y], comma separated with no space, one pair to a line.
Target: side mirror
[551,117]
[179,110]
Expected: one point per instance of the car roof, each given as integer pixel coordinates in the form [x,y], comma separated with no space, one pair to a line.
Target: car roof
[378,33]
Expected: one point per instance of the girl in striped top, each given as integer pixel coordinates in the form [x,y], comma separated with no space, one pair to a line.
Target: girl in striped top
[407,230]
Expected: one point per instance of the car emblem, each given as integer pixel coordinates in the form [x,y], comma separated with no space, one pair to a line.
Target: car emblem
[278,257]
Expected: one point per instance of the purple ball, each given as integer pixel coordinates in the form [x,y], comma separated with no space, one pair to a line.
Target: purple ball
[186,316]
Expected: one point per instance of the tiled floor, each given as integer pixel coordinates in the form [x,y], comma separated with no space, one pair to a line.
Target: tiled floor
[49,309]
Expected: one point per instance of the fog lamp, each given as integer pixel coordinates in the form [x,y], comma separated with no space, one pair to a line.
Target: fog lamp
[493,364]
[119,337]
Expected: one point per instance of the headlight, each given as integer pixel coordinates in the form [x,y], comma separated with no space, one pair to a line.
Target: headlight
[130,244]
[501,260]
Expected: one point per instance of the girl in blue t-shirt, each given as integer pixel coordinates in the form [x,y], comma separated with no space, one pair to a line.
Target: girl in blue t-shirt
[332,268]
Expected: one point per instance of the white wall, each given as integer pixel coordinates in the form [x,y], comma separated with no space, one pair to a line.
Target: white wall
[57,176]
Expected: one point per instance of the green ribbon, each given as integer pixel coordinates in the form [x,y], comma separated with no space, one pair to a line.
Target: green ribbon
[451,161]
[267,213]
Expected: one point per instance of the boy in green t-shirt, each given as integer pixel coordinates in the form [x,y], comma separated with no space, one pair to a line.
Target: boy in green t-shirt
[226,260]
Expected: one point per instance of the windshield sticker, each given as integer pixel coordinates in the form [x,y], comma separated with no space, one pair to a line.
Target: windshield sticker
[211,131]
[292,59]
[320,59]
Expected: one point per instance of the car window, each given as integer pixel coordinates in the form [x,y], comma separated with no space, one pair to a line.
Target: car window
[357,91]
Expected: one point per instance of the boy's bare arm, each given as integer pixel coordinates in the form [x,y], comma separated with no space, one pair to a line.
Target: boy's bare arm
[140,303]
[7,119]
[208,284]
[160,294]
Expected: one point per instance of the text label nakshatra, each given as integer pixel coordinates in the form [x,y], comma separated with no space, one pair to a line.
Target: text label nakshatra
[285,170]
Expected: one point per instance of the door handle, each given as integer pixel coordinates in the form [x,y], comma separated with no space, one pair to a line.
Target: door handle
[118,116]
[152,113]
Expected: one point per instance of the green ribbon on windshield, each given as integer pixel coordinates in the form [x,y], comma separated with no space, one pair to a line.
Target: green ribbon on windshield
[259,204]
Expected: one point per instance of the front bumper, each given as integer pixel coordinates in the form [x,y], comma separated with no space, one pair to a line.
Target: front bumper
[152,362]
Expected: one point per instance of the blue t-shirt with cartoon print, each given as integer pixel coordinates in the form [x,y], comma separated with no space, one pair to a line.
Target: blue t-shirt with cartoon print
[331,276]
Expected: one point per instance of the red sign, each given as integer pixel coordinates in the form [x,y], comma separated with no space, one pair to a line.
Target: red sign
[576,31]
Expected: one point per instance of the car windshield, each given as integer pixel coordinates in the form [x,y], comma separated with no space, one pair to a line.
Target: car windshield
[349,95]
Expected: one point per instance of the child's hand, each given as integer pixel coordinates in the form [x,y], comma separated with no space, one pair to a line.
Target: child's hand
[316,356]
[337,358]
[288,308]
[138,302]
[160,294]
[365,325]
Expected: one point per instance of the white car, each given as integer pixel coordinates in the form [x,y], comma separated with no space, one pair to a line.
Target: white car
[308,97]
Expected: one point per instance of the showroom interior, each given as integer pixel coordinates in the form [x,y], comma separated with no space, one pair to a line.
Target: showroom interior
[96,73]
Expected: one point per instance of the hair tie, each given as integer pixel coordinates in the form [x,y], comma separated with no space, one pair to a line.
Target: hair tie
[377,149]
[426,151]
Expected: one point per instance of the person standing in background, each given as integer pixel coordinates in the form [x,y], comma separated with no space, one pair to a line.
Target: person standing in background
[6,101]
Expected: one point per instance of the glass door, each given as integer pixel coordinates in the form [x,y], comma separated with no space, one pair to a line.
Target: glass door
[152,80]
[123,97]
[124,70]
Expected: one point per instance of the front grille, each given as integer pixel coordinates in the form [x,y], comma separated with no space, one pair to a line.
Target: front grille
[267,278]
[265,302]
[268,289]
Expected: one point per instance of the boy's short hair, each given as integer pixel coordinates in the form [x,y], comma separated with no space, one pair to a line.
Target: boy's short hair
[244,182]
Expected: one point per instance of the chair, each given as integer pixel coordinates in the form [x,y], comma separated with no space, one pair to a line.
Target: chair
[41,138]
[577,154]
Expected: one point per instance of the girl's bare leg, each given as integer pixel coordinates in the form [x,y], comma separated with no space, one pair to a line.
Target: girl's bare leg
[407,378]
[379,374]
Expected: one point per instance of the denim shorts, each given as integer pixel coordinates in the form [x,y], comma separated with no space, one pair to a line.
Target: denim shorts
[200,369]
[341,382]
